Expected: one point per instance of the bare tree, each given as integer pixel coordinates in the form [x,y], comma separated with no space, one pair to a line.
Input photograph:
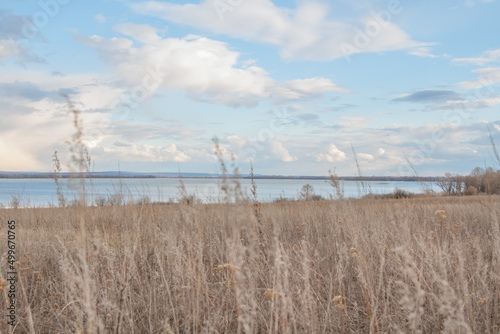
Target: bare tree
[451,184]
[306,193]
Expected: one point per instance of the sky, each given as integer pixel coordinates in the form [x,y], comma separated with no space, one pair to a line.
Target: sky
[398,87]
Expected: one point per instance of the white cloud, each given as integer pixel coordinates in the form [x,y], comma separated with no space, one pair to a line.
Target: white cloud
[145,153]
[303,33]
[487,57]
[107,45]
[432,148]
[314,86]
[425,52]
[8,48]
[140,32]
[248,149]
[32,137]
[333,155]
[303,88]
[486,77]
[97,96]
[476,104]
[365,156]
[236,141]
[24,158]
[497,127]
[37,126]
[130,131]
[100,18]
[280,152]
[352,123]
[205,68]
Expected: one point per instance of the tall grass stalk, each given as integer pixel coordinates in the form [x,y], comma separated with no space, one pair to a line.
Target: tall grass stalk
[354,266]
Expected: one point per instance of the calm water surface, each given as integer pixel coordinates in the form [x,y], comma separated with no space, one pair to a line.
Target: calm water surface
[42,192]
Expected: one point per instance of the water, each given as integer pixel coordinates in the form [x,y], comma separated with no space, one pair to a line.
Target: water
[42,192]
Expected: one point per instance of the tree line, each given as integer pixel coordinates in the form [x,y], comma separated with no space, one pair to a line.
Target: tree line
[480,180]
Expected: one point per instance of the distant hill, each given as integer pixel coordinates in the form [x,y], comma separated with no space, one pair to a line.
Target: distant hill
[121,174]
[106,174]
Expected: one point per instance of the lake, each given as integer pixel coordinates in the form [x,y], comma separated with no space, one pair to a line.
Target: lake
[42,192]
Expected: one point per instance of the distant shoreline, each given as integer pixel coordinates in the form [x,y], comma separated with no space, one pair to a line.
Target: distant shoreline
[105,175]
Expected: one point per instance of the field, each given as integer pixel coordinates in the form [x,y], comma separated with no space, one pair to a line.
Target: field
[420,265]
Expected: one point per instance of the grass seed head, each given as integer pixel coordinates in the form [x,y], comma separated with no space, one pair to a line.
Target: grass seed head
[337,299]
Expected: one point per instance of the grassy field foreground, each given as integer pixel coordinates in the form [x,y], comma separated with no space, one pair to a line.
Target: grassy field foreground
[422,265]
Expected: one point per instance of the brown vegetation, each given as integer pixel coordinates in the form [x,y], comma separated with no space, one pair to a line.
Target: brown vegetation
[421,265]
[484,180]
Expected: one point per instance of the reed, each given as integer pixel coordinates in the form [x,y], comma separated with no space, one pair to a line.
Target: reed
[419,265]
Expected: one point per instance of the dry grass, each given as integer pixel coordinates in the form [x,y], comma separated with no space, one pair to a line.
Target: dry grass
[422,265]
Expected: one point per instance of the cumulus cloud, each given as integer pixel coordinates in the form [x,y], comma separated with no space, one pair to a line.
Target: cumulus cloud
[236,141]
[254,149]
[36,118]
[302,33]
[280,152]
[206,69]
[333,154]
[36,110]
[33,136]
[430,147]
[131,152]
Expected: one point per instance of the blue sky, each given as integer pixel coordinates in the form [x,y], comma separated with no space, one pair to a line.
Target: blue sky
[296,87]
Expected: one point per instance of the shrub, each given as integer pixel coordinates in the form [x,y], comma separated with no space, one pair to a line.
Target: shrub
[400,193]
[317,198]
[306,193]
[470,191]
[484,180]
